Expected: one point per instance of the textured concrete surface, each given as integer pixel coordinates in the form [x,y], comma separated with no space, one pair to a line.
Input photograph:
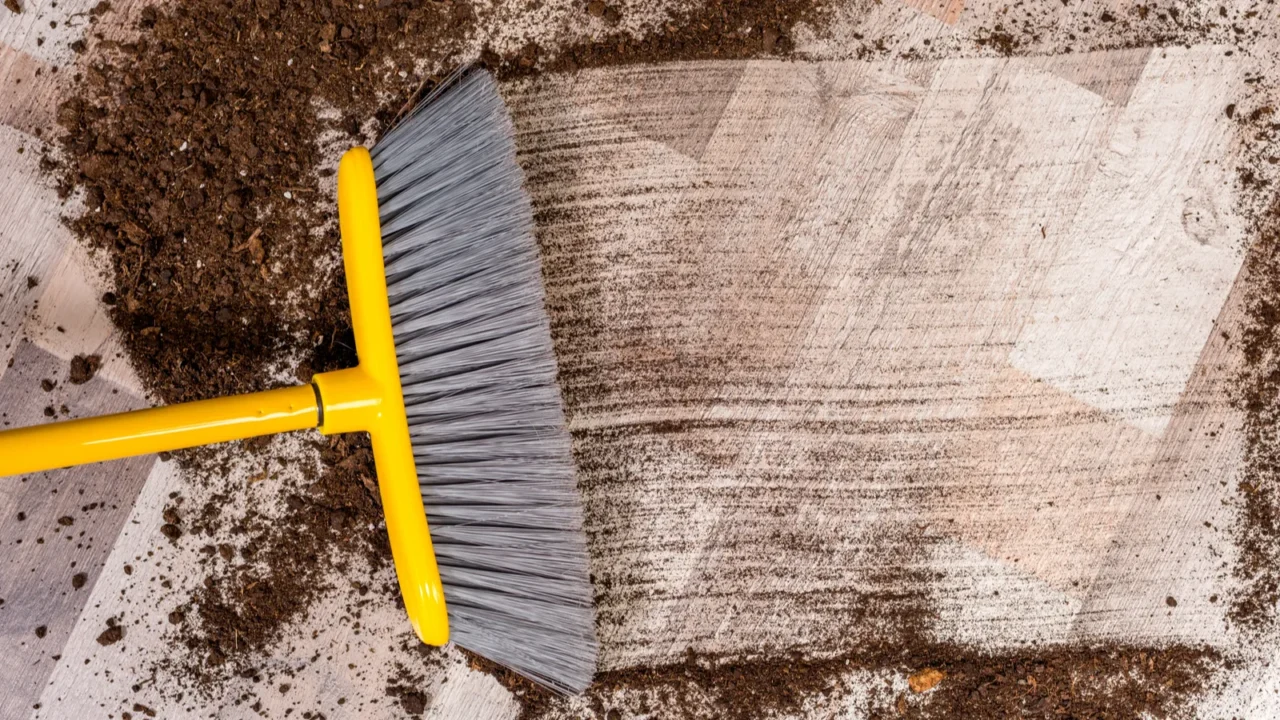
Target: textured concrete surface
[845,345]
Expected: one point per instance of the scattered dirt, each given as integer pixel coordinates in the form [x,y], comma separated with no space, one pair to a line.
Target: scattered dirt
[1101,682]
[408,690]
[78,580]
[83,368]
[41,631]
[999,40]
[252,595]
[13,6]
[1259,536]
[414,702]
[709,30]
[196,148]
[196,180]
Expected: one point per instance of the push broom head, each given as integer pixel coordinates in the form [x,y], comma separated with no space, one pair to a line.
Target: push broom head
[473,344]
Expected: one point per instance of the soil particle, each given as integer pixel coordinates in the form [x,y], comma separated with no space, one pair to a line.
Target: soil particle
[112,635]
[406,687]
[66,521]
[925,680]
[78,580]
[13,6]
[42,631]
[998,39]
[83,368]
[48,385]
[414,702]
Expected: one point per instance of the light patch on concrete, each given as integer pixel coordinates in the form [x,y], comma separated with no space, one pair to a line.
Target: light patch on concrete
[1148,260]
[32,238]
[71,319]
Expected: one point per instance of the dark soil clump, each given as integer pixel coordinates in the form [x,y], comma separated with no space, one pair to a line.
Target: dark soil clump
[83,368]
[112,635]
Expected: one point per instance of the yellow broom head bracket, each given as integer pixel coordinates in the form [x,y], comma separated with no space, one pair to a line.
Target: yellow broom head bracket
[369,398]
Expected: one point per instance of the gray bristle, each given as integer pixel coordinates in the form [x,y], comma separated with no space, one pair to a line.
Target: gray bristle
[479,374]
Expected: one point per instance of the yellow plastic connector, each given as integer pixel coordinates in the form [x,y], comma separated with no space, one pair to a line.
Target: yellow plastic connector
[368,398]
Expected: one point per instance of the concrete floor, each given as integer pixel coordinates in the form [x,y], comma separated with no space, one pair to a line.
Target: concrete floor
[980,299]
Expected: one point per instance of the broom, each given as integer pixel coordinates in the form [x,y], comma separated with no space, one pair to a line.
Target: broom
[456,385]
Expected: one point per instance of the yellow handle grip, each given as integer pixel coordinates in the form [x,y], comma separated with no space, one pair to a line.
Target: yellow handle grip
[110,437]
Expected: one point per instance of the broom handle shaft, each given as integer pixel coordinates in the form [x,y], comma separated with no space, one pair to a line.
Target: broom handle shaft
[110,437]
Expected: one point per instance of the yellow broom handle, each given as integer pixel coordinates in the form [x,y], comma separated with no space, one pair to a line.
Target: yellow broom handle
[110,437]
